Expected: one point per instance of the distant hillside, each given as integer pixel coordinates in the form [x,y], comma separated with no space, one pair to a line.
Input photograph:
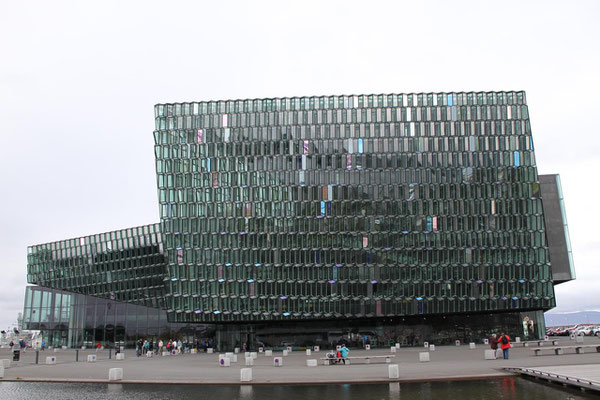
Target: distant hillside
[572,318]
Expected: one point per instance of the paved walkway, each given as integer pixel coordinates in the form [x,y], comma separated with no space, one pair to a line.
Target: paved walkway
[585,376]
[447,362]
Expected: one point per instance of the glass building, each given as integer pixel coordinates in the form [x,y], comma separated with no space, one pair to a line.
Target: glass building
[364,218]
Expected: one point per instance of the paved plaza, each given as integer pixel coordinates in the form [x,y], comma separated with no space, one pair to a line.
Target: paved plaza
[447,363]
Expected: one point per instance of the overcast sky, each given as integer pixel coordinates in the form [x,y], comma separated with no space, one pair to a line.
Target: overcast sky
[78,81]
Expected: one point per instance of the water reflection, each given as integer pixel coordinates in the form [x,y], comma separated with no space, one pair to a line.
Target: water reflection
[504,388]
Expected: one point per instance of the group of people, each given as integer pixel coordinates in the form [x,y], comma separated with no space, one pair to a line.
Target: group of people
[179,346]
[22,345]
[340,355]
[501,342]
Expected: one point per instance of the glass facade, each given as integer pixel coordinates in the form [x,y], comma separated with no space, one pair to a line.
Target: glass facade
[126,265]
[75,320]
[340,207]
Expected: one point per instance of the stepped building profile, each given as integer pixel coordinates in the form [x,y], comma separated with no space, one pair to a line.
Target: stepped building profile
[313,220]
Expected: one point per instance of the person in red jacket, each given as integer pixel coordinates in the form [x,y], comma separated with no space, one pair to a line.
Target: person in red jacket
[504,341]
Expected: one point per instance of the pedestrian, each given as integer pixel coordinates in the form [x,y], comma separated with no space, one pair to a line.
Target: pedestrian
[138,347]
[494,345]
[11,344]
[344,353]
[43,345]
[160,346]
[98,346]
[504,344]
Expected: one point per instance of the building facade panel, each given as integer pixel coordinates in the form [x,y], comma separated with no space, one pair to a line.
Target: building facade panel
[342,207]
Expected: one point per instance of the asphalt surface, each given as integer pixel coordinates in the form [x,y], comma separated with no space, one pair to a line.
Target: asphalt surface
[447,363]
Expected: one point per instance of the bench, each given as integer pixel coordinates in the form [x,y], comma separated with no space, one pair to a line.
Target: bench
[560,349]
[540,343]
[327,361]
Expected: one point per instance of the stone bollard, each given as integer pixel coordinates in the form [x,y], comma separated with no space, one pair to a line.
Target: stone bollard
[311,363]
[1,372]
[82,347]
[249,361]
[261,349]
[546,337]
[397,345]
[64,347]
[91,358]
[51,360]
[367,347]
[432,347]
[5,363]
[247,354]
[308,352]
[165,353]
[246,375]
[115,374]
[471,346]
[424,357]
[490,355]
[285,353]
[289,349]
[229,355]
[426,344]
[457,342]
[316,348]
[210,350]
[224,362]
[517,340]
[394,371]
[572,336]
[254,355]
[278,361]
[393,349]
[268,353]
[236,350]
[234,358]
[121,356]
[486,341]
[56,350]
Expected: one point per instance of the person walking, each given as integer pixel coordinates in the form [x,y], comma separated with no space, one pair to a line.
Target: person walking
[98,346]
[43,345]
[505,344]
[160,346]
[494,345]
[344,353]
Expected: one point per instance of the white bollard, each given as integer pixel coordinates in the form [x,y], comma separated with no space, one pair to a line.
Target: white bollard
[289,349]
[82,347]
[277,361]
[432,347]
[121,356]
[316,348]
[261,349]
[472,346]
[572,336]
[165,353]
[56,350]
[268,353]
[367,347]
[224,362]
[246,374]
[1,372]
[397,345]
[236,350]
[517,340]
[394,371]
[234,358]
[229,355]
[308,352]
[247,354]
[149,354]
[5,363]
[393,349]
[249,361]
[546,337]
[426,344]
[64,347]
[210,350]
[91,358]
[486,341]
[51,360]
[424,357]
[490,355]
[115,374]
[311,363]
[285,353]
[457,343]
